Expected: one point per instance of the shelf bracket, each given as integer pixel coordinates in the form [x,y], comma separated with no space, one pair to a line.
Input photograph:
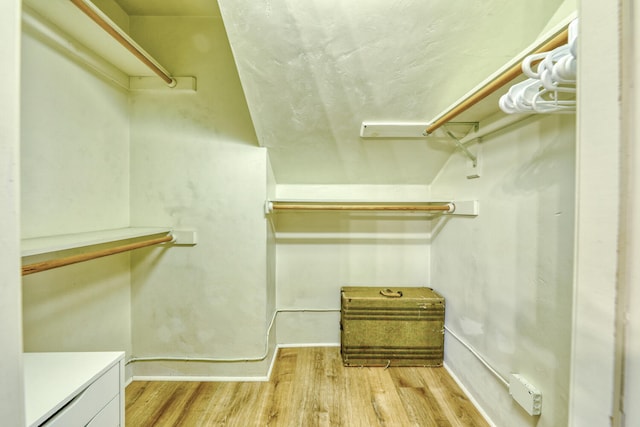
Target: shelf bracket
[472,126]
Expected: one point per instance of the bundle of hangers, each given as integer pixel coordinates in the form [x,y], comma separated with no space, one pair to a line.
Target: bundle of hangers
[551,86]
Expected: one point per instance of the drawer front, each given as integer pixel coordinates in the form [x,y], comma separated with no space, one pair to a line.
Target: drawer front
[84,407]
[109,416]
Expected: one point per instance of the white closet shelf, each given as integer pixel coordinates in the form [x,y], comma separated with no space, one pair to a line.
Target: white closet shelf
[48,244]
[479,106]
[69,30]
[73,22]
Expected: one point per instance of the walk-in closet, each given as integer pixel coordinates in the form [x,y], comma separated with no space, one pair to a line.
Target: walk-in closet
[189,188]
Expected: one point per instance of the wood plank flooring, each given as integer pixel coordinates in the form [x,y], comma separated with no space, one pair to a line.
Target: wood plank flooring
[308,387]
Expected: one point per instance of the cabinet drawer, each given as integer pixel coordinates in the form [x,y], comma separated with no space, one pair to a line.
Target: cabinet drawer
[84,407]
[109,416]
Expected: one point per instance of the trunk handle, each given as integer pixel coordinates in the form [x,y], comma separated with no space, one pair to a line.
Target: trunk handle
[391,294]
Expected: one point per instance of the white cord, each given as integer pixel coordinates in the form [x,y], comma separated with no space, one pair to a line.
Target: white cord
[479,357]
[266,350]
[239,359]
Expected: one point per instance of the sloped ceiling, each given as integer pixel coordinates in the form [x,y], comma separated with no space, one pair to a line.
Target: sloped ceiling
[169,7]
[314,70]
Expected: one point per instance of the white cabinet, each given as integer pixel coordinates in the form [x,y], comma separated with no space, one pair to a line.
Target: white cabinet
[74,389]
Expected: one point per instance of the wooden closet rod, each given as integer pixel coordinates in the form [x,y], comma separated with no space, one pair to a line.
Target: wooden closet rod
[495,84]
[360,207]
[74,259]
[92,12]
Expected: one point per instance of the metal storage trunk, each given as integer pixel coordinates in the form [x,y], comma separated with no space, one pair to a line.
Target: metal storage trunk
[391,327]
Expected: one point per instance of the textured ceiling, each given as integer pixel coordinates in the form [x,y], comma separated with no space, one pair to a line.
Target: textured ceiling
[314,70]
[170,7]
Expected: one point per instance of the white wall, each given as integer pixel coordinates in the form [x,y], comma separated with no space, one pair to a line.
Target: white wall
[75,178]
[507,273]
[630,252]
[11,387]
[75,146]
[196,165]
[318,252]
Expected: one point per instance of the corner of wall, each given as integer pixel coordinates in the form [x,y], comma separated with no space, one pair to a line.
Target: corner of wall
[11,392]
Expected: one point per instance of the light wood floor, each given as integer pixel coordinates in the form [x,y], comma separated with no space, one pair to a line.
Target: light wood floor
[308,387]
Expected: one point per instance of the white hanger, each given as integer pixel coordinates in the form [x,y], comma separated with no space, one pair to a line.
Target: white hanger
[551,85]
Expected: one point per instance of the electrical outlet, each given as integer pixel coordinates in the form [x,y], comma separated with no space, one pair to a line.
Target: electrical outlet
[525,394]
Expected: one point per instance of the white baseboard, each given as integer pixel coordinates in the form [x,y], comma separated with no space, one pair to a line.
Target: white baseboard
[214,378]
[210,378]
[273,362]
[469,396]
[201,379]
[299,345]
